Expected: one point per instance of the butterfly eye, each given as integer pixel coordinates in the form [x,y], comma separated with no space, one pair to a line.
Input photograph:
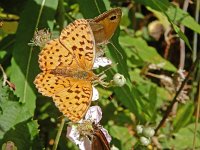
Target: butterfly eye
[113,18]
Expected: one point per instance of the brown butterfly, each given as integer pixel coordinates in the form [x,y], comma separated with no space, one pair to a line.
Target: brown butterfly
[99,141]
[104,25]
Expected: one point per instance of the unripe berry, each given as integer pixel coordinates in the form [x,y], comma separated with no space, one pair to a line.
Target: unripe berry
[119,80]
[144,141]
[139,129]
[148,132]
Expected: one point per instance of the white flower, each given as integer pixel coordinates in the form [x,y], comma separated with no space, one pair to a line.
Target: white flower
[101,61]
[95,95]
[93,115]
[107,135]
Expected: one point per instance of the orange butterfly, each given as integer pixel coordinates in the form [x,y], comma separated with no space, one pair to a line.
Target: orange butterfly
[66,65]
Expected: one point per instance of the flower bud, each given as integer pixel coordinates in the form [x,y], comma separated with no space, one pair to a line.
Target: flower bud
[139,129]
[119,80]
[144,141]
[148,132]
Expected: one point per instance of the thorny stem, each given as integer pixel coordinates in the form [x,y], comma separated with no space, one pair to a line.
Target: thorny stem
[169,109]
[59,134]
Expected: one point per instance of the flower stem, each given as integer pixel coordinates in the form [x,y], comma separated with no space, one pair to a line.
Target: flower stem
[58,134]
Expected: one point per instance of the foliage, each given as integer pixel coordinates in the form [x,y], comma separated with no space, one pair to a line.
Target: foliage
[31,121]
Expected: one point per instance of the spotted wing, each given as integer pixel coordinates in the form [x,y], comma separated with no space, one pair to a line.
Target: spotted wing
[49,84]
[79,38]
[71,96]
[75,100]
[55,55]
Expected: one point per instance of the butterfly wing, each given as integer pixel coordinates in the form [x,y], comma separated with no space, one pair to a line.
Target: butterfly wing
[55,55]
[79,38]
[49,84]
[99,141]
[71,96]
[74,101]
[104,25]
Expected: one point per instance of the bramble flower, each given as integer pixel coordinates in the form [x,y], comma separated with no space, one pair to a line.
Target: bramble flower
[82,133]
[95,95]
[101,61]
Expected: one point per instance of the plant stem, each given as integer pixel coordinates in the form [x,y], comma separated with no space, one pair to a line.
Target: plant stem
[169,109]
[58,134]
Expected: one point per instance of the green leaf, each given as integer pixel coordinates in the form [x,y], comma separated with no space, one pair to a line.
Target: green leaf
[6,47]
[139,48]
[12,112]
[60,15]
[184,138]
[152,103]
[121,137]
[174,14]
[37,14]
[183,116]
[24,136]
[181,35]
[96,7]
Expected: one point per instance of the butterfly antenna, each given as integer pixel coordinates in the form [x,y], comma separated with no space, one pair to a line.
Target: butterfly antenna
[116,49]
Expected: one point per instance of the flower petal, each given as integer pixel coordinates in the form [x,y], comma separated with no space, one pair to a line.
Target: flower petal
[85,145]
[107,135]
[95,95]
[73,134]
[94,114]
[101,61]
